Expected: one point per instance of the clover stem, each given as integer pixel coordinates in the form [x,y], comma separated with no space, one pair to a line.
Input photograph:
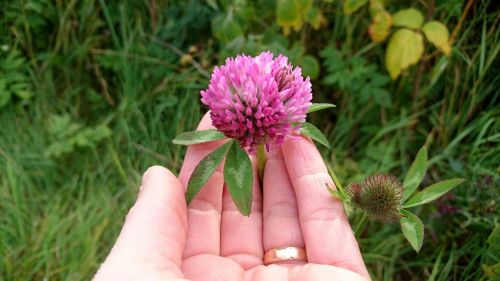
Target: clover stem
[361,225]
[261,162]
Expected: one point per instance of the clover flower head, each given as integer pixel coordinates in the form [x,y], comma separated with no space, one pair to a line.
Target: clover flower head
[379,195]
[258,100]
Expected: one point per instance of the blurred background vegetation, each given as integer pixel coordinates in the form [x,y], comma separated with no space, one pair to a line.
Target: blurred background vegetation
[93,91]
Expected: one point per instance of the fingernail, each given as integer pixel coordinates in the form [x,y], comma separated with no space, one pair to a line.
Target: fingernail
[145,176]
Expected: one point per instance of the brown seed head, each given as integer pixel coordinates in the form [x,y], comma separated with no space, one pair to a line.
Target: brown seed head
[379,195]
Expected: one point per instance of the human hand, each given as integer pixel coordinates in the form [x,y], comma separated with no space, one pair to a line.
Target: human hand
[163,239]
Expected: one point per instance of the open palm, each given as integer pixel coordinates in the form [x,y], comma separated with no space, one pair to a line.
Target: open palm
[163,239]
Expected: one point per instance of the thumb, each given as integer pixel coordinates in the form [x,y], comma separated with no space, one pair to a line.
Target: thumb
[154,233]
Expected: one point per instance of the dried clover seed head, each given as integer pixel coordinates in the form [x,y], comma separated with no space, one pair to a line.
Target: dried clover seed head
[379,195]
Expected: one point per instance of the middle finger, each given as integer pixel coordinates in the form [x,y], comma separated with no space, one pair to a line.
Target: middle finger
[280,215]
[241,237]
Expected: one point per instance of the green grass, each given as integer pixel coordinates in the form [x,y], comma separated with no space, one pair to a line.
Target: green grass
[116,64]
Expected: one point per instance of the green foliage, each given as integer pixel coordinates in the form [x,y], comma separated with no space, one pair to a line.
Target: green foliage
[37,15]
[67,136]
[380,196]
[411,224]
[14,78]
[238,170]
[291,14]
[226,28]
[288,15]
[491,267]
[314,17]
[405,47]
[354,75]
[309,64]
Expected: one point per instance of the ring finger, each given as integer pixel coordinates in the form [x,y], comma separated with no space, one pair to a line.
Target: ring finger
[280,215]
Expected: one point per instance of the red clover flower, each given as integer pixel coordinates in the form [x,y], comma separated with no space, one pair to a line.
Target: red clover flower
[258,100]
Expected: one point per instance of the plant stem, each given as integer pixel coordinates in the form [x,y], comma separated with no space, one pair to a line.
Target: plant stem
[361,225]
[261,162]
[365,49]
[420,73]
[460,22]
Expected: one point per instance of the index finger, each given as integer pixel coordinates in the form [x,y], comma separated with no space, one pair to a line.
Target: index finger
[204,212]
[327,234]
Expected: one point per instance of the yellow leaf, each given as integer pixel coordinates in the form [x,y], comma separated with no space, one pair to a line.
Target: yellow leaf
[410,18]
[376,6]
[288,15]
[438,35]
[314,17]
[286,30]
[303,5]
[298,25]
[351,6]
[404,49]
[381,24]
